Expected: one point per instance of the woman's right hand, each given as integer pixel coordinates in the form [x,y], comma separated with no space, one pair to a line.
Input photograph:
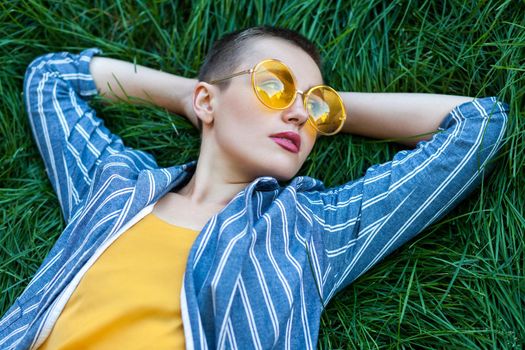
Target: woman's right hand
[187,102]
[119,80]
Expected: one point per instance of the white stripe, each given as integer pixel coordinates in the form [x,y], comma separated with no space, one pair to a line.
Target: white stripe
[65,127]
[221,264]
[169,178]
[288,334]
[231,333]
[249,315]
[326,274]
[301,209]
[188,334]
[48,146]
[30,308]
[151,186]
[76,76]
[264,288]
[56,62]
[80,112]
[142,157]
[58,110]
[205,238]
[304,319]
[70,189]
[13,333]
[348,186]
[8,316]
[370,180]
[90,146]
[14,345]
[351,242]
[331,192]
[94,197]
[343,204]
[222,328]
[81,166]
[328,227]
[268,245]
[317,268]
[114,164]
[45,268]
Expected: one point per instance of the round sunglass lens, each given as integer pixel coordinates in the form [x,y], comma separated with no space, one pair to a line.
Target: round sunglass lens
[274,84]
[326,109]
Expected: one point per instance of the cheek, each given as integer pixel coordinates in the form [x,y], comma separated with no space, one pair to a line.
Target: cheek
[309,137]
[238,126]
[241,109]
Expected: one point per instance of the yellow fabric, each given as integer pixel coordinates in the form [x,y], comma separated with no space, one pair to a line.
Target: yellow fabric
[130,297]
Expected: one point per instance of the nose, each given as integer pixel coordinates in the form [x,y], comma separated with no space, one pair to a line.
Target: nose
[296,113]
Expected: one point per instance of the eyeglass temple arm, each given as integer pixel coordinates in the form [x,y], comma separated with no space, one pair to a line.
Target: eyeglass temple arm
[231,76]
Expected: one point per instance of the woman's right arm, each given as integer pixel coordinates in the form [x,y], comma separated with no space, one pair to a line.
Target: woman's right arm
[119,80]
[72,139]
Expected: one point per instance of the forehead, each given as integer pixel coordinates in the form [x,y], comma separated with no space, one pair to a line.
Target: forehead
[302,65]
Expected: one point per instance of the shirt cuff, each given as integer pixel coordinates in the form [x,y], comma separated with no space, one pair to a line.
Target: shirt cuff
[86,82]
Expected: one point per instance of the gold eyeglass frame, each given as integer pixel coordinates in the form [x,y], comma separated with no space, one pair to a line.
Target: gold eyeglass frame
[305,94]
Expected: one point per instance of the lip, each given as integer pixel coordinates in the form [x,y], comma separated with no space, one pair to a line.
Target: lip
[289,140]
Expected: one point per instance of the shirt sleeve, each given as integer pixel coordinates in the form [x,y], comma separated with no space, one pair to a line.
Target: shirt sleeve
[365,220]
[71,139]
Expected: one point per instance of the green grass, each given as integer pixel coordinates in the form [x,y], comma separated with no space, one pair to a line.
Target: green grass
[458,285]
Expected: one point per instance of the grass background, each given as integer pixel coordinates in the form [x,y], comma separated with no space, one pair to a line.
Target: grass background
[460,284]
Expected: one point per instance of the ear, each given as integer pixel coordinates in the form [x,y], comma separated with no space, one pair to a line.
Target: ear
[203,102]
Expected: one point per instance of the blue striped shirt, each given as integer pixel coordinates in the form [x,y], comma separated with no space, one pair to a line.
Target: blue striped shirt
[263,268]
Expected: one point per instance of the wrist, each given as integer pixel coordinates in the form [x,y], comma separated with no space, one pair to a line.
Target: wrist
[183,95]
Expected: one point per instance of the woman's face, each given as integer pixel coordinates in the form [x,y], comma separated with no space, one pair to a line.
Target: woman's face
[242,126]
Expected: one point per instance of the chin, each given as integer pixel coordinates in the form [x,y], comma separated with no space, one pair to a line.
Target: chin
[278,166]
[283,175]
[283,178]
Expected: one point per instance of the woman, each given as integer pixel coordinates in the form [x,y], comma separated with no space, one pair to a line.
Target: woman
[254,261]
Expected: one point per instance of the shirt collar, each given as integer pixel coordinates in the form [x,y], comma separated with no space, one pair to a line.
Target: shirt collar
[263,183]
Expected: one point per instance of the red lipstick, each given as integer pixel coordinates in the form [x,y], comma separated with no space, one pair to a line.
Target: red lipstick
[289,140]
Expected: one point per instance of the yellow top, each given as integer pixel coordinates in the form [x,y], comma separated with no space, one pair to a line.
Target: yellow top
[130,297]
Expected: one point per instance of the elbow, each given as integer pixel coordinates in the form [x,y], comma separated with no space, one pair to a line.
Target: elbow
[497,116]
[34,70]
[36,79]
[41,69]
[488,114]
[38,64]
[479,126]
[43,63]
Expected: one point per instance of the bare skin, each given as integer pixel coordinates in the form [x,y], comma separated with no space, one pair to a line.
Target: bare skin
[235,147]
[178,210]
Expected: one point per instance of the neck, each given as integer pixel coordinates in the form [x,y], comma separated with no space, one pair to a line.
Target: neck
[207,189]
[215,180]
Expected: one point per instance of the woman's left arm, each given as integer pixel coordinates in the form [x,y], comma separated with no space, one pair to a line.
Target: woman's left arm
[405,117]
[365,220]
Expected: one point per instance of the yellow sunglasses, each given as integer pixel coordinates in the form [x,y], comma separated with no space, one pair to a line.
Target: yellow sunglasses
[274,85]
